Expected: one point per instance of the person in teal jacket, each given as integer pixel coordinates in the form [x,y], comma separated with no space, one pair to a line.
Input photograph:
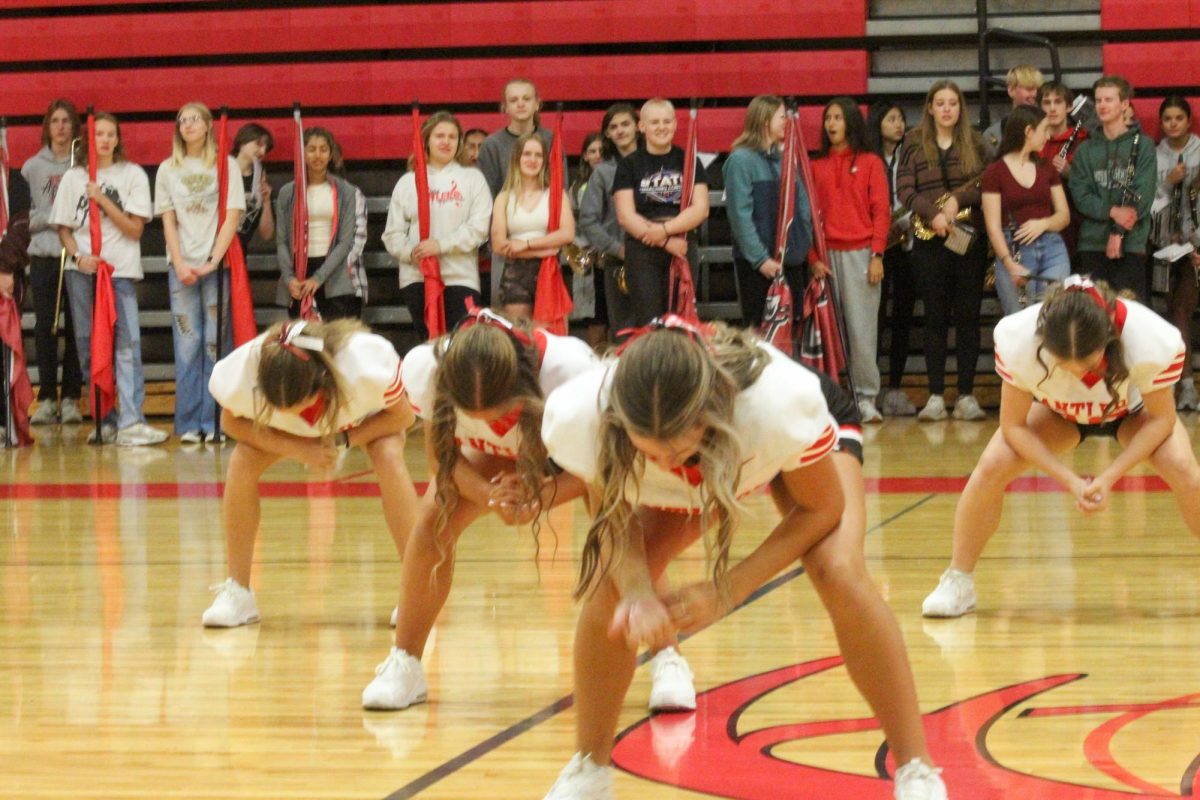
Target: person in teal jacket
[1114,229]
[752,205]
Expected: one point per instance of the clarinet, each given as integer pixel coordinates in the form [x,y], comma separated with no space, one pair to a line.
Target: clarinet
[1066,148]
[1176,233]
[1129,195]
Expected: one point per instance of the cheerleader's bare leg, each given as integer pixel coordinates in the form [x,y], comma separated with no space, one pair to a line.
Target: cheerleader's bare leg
[1175,461]
[397,493]
[604,666]
[977,515]
[241,509]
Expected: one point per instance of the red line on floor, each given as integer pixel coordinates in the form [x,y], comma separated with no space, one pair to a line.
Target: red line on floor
[343,488]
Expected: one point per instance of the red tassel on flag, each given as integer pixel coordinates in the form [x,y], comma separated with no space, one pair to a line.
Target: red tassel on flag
[682,301]
[431,268]
[300,214]
[551,301]
[240,299]
[104,312]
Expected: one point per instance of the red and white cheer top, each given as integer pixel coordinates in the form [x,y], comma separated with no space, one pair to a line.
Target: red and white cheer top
[1154,353]
[562,358]
[368,370]
[781,419]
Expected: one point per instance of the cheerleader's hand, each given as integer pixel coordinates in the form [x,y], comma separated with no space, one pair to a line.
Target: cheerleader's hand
[643,621]
[695,607]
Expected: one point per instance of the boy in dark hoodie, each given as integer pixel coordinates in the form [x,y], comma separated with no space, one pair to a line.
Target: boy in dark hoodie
[1114,230]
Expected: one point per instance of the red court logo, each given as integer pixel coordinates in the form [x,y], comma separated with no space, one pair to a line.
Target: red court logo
[705,752]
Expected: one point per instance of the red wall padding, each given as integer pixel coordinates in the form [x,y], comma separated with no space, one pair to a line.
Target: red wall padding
[1154,63]
[389,138]
[1128,15]
[438,25]
[464,80]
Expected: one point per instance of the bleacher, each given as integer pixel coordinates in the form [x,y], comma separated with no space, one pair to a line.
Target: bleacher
[356,67]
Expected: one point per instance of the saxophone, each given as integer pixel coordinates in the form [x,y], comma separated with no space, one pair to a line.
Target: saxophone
[921,227]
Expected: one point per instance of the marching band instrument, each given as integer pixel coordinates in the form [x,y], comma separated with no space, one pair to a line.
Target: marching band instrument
[1076,107]
[921,228]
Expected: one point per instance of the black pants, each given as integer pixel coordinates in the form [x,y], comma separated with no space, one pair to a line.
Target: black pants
[620,312]
[345,306]
[900,286]
[753,286]
[454,301]
[1125,273]
[43,274]
[648,274]
[951,289]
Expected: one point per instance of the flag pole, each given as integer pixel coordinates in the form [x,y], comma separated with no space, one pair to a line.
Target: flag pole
[220,280]
[97,417]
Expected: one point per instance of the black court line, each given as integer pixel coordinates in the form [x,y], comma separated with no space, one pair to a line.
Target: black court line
[465,758]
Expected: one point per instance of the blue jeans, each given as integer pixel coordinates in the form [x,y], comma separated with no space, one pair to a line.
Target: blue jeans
[1046,258]
[127,358]
[194,334]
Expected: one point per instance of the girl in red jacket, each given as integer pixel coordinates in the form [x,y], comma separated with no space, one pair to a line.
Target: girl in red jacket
[852,194]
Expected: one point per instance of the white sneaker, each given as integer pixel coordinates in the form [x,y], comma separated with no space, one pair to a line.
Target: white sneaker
[140,435]
[69,412]
[895,403]
[868,411]
[395,616]
[672,688]
[934,410]
[399,682]
[953,597]
[46,414]
[234,606]
[214,438]
[191,437]
[1188,399]
[916,780]
[108,434]
[967,408]
[582,779]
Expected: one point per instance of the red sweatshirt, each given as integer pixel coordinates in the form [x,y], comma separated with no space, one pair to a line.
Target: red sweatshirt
[852,193]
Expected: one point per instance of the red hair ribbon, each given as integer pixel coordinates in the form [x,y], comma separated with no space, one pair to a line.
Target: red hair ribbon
[699,333]
[485,316]
[291,340]
[1082,283]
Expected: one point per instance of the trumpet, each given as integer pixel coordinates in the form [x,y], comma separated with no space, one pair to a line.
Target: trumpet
[580,258]
[62,259]
[921,227]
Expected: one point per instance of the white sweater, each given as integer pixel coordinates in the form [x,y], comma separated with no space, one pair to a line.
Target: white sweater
[460,215]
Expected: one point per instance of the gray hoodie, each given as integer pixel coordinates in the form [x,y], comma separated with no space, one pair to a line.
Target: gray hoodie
[43,172]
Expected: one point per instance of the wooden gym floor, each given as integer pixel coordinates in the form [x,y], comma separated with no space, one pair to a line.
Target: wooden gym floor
[1076,679]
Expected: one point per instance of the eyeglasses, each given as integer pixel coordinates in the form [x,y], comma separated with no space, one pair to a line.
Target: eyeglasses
[190,119]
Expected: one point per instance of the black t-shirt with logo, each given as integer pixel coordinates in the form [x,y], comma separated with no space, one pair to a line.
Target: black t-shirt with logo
[656,181]
[253,212]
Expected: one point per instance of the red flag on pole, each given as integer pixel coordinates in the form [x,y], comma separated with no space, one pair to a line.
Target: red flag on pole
[551,301]
[300,213]
[16,382]
[821,343]
[776,325]
[682,300]
[240,300]
[104,312]
[431,268]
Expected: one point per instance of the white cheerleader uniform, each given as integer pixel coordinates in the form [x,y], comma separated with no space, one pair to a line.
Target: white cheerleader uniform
[368,370]
[1154,354]
[781,419]
[561,357]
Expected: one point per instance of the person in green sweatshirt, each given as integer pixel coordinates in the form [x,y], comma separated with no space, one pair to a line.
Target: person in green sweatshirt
[1115,227]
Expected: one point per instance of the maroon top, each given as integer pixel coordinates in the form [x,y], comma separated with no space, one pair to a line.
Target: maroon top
[1017,203]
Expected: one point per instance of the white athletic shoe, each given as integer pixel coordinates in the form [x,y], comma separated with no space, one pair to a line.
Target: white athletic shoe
[967,408]
[895,403]
[672,688]
[582,779]
[399,682]
[69,412]
[916,780]
[46,414]
[234,606]
[1188,399]
[139,435]
[108,434]
[868,411]
[953,597]
[934,410]
[191,437]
